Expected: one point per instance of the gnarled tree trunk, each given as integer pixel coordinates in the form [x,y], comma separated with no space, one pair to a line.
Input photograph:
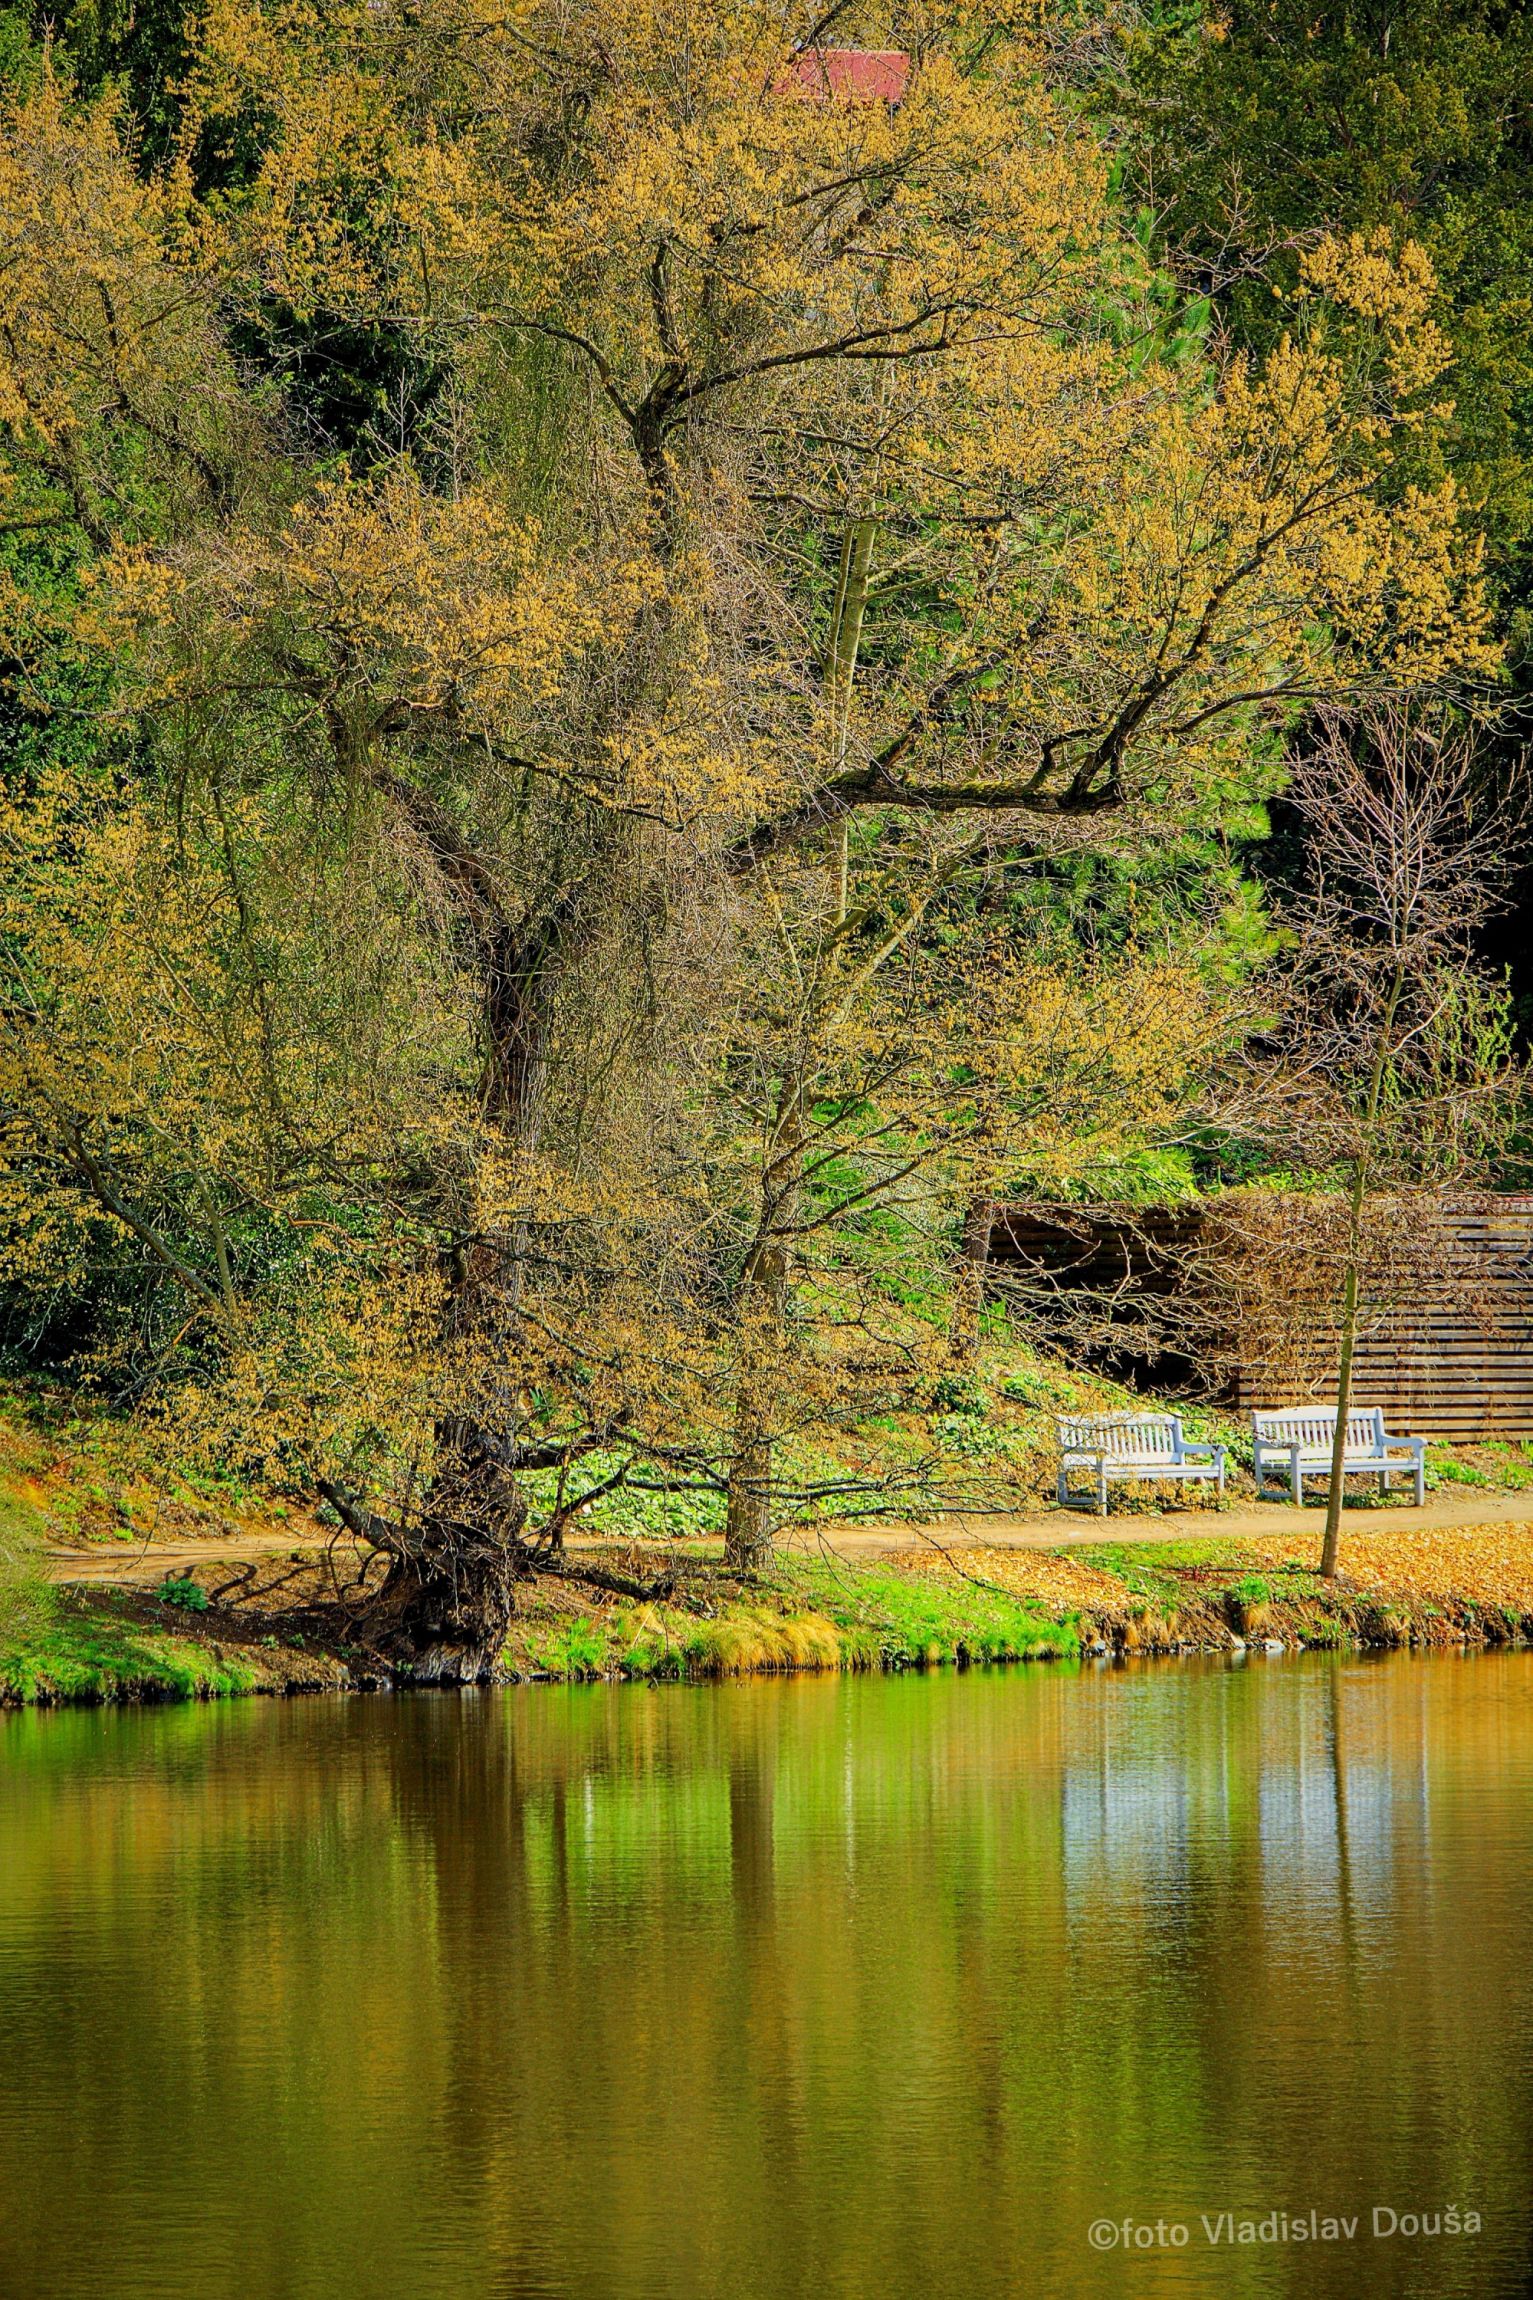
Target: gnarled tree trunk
[446,1604]
[445,1609]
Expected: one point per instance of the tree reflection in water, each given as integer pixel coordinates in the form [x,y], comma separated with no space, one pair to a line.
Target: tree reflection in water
[848,1986]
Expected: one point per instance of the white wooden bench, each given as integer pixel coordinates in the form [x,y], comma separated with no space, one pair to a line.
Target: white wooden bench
[1131,1446]
[1298,1441]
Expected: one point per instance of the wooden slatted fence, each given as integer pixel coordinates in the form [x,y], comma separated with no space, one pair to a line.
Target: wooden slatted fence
[1453,1358]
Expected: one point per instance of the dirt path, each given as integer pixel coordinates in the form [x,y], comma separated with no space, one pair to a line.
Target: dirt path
[149,1561]
[1067,1528]
[140,1562]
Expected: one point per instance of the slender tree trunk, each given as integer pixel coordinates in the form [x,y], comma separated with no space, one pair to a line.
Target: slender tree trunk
[1330,1547]
[969,1279]
[848,613]
[749,1524]
[761,1370]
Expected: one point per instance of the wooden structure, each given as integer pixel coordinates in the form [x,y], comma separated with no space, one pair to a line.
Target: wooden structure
[1456,1360]
[1224,1297]
[1105,1284]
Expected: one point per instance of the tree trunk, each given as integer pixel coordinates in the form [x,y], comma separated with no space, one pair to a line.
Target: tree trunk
[969,1279]
[521,963]
[444,1611]
[1331,1544]
[445,1608]
[760,1370]
[448,1612]
[748,1525]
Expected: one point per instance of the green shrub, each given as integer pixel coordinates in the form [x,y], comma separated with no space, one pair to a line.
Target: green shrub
[957,1393]
[1028,1389]
[180,1590]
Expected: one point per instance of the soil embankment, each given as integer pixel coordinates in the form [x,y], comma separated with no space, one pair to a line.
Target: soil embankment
[243,1617]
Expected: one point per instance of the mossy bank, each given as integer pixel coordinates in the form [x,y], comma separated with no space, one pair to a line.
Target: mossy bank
[917,1610]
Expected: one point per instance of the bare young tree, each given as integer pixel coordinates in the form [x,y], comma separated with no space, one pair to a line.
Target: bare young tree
[1392,1063]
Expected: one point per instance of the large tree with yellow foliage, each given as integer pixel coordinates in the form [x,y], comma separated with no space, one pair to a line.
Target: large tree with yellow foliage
[510,914]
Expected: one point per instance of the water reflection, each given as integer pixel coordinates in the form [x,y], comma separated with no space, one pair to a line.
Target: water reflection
[860,1988]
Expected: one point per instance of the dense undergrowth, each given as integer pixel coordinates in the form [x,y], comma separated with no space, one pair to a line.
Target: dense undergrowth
[72,1470]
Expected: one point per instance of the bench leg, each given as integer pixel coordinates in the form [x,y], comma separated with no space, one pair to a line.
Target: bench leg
[1384,1481]
[1064,1490]
[1102,1493]
[1421,1481]
[1298,1487]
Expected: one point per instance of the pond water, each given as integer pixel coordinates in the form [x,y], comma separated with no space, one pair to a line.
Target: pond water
[821,1987]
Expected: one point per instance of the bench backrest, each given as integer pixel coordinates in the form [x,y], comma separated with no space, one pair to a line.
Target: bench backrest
[1124,1437]
[1314,1428]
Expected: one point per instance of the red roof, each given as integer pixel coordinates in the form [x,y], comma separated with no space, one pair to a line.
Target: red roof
[847,75]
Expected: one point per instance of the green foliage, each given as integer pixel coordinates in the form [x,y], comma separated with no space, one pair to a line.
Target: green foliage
[1151,1176]
[1442,1468]
[186,1595]
[138,47]
[1257,126]
[957,1393]
[1511,1464]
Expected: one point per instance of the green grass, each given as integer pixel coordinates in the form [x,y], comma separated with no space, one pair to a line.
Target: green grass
[915,1617]
[1158,1574]
[800,1615]
[1152,1570]
[71,1649]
